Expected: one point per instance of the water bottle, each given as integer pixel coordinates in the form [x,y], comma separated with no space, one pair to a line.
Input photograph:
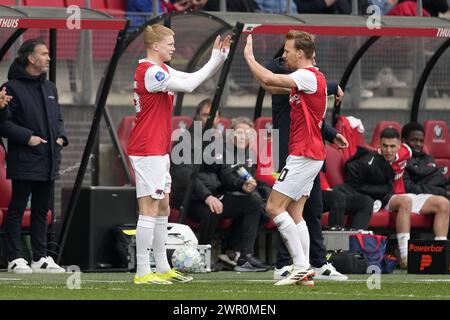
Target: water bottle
[244,174]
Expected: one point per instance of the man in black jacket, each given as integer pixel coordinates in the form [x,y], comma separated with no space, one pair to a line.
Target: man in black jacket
[35,132]
[367,172]
[218,194]
[421,174]
[313,207]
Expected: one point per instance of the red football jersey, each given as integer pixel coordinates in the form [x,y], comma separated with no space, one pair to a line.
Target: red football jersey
[308,106]
[153,124]
[399,165]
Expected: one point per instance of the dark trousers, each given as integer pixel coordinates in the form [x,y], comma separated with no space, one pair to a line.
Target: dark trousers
[244,209]
[312,213]
[359,206]
[40,202]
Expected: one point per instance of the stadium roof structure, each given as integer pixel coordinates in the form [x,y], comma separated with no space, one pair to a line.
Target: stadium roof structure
[20,19]
[55,18]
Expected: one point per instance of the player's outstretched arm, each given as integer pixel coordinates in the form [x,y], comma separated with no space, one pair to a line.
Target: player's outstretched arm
[4,98]
[188,82]
[265,77]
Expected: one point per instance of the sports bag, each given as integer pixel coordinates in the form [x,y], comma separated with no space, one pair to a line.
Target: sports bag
[348,262]
[373,247]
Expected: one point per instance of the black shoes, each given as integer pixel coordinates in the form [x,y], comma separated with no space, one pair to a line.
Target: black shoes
[249,263]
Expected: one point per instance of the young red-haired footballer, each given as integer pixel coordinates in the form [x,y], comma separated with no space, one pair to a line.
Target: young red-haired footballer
[308,100]
[149,145]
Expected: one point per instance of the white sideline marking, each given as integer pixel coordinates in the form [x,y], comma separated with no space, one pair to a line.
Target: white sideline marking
[10,279]
[107,281]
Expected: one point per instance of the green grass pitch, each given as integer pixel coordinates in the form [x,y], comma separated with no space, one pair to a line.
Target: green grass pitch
[220,286]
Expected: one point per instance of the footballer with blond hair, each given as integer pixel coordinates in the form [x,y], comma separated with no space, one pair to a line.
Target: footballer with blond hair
[149,145]
[308,101]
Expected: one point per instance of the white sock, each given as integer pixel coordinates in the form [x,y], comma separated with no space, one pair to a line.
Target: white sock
[402,239]
[304,238]
[144,239]
[159,245]
[440,238]
[289,233]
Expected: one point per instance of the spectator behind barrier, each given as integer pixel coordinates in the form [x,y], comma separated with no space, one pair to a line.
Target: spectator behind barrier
[275,6]
[406,8]
[421,174]
[146,6]
[233,6]
[432,7]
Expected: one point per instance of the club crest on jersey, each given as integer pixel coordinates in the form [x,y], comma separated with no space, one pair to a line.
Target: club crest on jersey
[295,99]
[402,164]
[159,76]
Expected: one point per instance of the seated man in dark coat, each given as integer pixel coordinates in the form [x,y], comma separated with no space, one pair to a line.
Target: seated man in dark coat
[422,175]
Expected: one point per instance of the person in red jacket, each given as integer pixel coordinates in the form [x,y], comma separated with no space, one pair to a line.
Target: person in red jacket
[406,8]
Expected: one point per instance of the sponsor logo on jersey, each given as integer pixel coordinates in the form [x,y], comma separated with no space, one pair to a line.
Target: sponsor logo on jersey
[159,76]
[295,99]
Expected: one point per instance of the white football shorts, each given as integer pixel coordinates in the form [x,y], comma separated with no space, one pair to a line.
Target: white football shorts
[418,200]
[297,177]
[152,175]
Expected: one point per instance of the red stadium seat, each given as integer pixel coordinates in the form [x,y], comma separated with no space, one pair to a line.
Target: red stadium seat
[46,3]
[181,122]
[263,123]
[174,214]
[223,123]
[437,143]
[334,164]
[380,219]
[437,139]
[116,8]
[354,137]
[7,2]
[380,126]
[418,221]
[95,4]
